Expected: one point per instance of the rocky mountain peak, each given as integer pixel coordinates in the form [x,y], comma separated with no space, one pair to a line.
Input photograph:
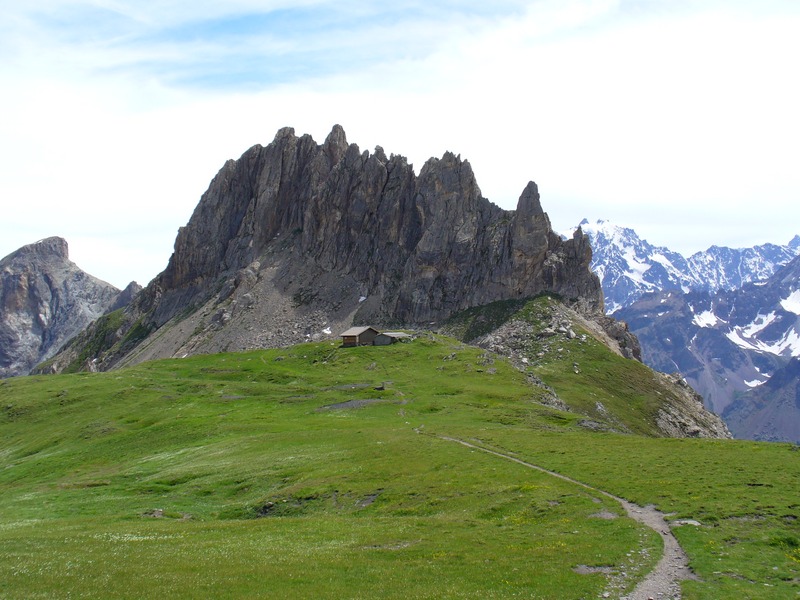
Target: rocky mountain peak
[335,144]
[45,299]
[529,203]
[284,132]
[51,247]
[296,238]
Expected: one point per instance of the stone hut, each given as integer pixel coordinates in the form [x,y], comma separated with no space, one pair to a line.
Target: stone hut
[390,337]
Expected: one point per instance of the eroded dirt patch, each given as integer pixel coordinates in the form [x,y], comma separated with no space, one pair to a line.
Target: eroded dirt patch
[604,514]
[587,570]
[360,403]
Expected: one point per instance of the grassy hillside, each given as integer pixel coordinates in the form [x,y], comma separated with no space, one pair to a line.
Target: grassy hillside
[320,472]
[571,355]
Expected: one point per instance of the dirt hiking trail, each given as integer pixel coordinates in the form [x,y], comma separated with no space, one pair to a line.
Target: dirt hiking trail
[663,582]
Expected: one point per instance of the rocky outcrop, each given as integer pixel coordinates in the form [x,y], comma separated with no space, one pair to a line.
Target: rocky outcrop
[45,299]
[296,239]
[420,247]
[684,415]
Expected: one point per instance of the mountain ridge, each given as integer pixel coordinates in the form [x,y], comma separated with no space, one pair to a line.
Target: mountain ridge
[728,345]
[629,266]
[296,241]
[311,238]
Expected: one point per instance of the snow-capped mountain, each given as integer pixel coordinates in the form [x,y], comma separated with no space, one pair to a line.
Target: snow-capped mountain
[727,319]
[721,268]
[629,266]
[729,344]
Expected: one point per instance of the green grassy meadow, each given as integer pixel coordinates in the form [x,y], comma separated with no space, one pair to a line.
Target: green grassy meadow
[319,472]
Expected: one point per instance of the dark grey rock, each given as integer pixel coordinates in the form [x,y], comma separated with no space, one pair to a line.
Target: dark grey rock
[309,229]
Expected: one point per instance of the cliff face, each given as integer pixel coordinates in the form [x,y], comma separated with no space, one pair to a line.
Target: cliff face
[297,239]
[45,299]
[419,247]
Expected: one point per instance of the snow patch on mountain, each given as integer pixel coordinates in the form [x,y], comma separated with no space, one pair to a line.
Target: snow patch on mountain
[754,383]
[792,343]
[706,319]
[792,302]
[636,268]
[759,324]
[787,345]
[735,335]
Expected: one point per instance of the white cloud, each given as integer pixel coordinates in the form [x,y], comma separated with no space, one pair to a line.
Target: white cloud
[681,123]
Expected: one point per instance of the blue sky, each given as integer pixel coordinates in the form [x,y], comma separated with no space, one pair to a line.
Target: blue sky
[676,118]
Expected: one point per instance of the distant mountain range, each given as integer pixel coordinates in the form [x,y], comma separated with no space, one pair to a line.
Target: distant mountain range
[737,348]
[630,267]
[726,319]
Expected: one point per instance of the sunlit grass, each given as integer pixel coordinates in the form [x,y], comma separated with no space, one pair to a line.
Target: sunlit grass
[257,475]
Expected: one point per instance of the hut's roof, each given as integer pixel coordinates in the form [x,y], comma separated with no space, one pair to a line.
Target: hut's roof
[357,331]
